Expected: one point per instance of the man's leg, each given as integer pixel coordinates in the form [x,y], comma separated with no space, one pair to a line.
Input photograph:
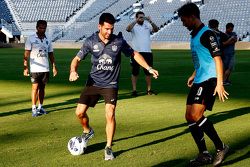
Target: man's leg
[148,82]
[134,82]
[34,93]
[41,93]
[81,113]
[110,123]
[194,113]
[110,130]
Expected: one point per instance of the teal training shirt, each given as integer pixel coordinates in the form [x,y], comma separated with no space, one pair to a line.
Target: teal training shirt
[204,47]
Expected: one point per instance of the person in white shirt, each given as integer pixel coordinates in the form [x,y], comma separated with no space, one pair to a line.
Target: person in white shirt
[39,48]
[141,29]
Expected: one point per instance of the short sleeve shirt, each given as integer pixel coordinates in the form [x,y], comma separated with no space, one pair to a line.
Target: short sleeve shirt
[141,41]
[39,53]
[204,46]
[105,59]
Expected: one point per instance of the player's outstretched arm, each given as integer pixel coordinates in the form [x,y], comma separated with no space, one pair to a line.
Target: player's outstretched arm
[141,61]
[219,89]
[73,76]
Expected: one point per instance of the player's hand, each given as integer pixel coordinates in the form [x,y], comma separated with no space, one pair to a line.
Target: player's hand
[190,81]
[219,89]
[26,72]
[55,71]
[154,73]
[73,76]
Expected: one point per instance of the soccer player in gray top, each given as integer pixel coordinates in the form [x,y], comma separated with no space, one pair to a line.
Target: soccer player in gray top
[39,48]
[205,82]
[105,48]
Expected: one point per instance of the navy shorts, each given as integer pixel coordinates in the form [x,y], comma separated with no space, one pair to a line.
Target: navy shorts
[148,56]
[202,93]
[39,77]
[91,94]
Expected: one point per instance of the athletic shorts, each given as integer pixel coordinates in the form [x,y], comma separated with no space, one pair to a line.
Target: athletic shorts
[91,94]
[39,77]
[148,56]
[202,93]
[228,62]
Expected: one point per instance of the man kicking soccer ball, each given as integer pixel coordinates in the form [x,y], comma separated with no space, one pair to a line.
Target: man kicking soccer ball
[205,82]
[105,48]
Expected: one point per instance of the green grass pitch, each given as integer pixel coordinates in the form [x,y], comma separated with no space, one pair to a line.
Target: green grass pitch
[151,130]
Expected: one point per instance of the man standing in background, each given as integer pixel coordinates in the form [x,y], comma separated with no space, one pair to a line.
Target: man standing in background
[229,53]
[141,42]
[39,48]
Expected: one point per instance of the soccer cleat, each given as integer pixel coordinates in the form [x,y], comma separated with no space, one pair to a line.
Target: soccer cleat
[220,155]
[109,155]
[201,159]
[150,92]
[134,93]
[34,112]
[42,111]
[87,136]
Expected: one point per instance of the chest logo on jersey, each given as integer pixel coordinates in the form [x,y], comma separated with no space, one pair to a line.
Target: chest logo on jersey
[105,63]
[96,48]
[114,48]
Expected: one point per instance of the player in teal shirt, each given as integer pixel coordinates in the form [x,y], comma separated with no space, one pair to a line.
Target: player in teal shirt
[205,82]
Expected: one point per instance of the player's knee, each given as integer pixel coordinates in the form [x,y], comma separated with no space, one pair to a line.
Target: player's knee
[110,112]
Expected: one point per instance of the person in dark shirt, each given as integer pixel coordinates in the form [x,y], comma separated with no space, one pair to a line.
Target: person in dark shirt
[221,36]
[105,48]
[229,53]
[205,82]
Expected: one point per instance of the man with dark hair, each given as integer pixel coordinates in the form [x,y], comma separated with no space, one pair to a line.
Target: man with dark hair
[39,48]
[229,53]
[105,48]
[205,82]
[141,42]
[221,36]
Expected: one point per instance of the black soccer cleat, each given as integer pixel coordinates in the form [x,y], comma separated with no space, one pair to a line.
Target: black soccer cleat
[201,159]
[220,156]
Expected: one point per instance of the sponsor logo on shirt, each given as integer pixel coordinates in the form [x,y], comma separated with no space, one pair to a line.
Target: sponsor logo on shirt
[105,63]
[96,48]
[114,48]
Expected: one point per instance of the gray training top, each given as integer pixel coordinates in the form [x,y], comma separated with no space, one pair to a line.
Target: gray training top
[105,59]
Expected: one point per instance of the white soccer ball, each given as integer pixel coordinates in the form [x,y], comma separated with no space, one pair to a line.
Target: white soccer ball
[76,146]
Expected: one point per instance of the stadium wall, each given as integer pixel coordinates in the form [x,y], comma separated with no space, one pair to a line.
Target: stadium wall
[155,45]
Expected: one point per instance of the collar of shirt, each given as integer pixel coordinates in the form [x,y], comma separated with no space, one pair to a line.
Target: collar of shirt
[40,38]
[195,31]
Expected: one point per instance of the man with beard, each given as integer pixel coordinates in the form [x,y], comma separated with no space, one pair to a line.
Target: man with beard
[141,42]
[105,48]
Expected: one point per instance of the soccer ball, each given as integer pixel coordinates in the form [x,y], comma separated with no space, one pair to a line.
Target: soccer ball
[76,146]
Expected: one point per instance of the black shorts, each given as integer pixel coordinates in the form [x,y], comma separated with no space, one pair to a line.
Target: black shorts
[202,93]
[148,56]
[39,77]
[91,94]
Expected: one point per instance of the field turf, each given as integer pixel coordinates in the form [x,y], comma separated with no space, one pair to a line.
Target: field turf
[151,130]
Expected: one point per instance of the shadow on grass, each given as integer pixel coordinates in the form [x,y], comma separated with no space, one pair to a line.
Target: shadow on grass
[216,118]
[59,105]
[176,162]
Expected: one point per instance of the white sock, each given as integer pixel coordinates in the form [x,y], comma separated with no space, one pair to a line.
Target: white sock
[40,106]
[33,106]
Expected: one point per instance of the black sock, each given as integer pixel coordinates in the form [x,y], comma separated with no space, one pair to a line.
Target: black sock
[198,136]
[208,128]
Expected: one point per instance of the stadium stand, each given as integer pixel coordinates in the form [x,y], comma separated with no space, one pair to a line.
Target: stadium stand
[73,21]
[7,20]
[50,10]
